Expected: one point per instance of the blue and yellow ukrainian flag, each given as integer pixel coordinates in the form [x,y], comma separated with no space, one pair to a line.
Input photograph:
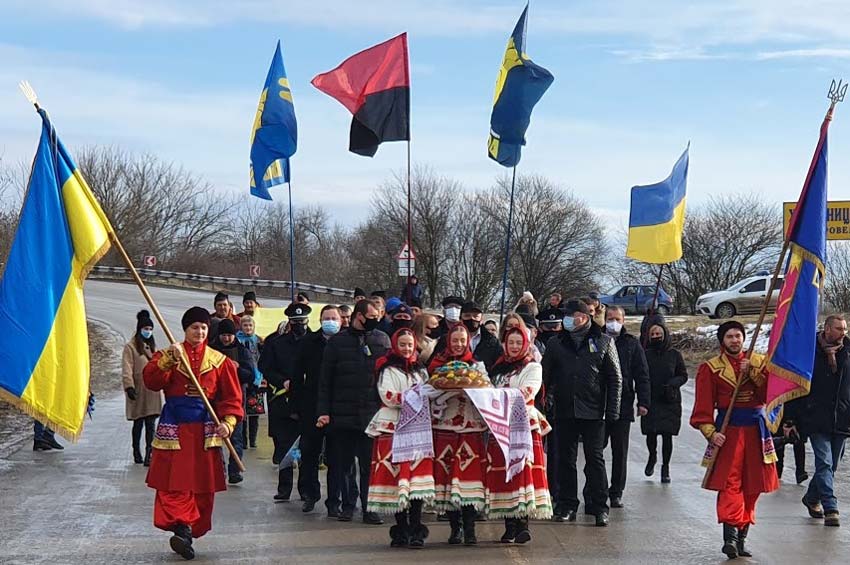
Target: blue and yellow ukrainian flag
[791,350]
[520,85]
[274,137]
[657,217]
[61,234]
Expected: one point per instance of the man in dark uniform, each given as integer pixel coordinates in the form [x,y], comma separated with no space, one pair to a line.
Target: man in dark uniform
[550,322]
[277,365]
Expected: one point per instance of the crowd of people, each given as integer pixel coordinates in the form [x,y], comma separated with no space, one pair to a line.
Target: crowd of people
[339,392]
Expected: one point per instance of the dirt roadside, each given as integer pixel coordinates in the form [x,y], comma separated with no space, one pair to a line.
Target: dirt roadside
[105,354]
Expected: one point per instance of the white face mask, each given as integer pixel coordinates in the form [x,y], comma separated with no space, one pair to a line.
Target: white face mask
[613,327]
[453,314]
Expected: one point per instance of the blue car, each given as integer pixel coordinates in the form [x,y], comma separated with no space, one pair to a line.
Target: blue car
[637,298]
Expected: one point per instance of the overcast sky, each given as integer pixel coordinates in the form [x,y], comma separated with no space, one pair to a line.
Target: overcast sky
[744,81]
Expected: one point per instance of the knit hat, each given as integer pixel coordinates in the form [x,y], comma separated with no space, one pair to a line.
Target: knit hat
[226,326]
[730,325]
[195,314]
[250,295]
[359,291]
[143,320]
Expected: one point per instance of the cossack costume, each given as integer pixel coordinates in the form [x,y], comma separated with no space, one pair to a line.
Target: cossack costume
[187,467]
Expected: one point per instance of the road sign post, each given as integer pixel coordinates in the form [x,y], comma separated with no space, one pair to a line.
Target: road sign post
[406,261]
[254,271]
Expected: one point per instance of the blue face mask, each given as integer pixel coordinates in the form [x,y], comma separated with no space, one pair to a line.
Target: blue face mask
[569,323]
[146,334]
[330,327]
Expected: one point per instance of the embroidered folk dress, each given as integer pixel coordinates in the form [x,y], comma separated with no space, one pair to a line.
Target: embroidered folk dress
[527,493]
[744,466]
[393,485]
[460,452]
[187,467]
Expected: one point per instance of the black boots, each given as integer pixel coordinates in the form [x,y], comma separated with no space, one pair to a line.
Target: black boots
[730,541]
[665,474]
[400,533]
[418,530]
[516,531]
[455,535]
[742,536]
[469,513]
[650,465]
[137,455]
[181,542]
[510,531]
[148,453]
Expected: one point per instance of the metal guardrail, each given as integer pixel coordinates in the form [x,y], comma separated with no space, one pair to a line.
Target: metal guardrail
[264,283]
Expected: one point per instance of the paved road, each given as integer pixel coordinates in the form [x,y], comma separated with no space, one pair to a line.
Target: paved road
[89,504]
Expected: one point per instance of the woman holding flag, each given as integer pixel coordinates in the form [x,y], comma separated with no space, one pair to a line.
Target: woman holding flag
[187,467]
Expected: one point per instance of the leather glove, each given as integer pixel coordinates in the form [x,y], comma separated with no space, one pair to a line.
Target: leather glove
[131,392]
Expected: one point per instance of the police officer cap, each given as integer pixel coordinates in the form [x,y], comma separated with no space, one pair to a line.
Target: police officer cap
[297,311]
[550,316]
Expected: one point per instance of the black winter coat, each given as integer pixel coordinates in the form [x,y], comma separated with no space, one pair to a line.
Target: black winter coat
[277,363]
[635,375]
[585,380]
[306,376]
[240,355]
[347,388]
[826,410]
[667,374]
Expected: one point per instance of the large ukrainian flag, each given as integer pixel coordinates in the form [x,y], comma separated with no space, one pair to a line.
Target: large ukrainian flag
[520,85]
[657,217]
[61,234]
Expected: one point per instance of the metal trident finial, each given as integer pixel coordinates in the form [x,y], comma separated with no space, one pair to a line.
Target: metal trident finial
[29,93]
[837,91]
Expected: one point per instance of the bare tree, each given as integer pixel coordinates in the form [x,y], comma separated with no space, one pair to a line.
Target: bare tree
[433,204]
[558,243]
[837,284]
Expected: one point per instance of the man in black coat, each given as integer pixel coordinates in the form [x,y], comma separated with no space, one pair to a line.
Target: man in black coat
[277,365]
[635,373]
[824,416]
[581,371]
[225,342]
[348,400]
[305,398]
[485,346]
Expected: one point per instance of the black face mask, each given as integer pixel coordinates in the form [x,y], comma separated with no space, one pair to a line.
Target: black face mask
[370,324]
[433,333]
[656,342]
[299,330]
[472,325]
[399,324]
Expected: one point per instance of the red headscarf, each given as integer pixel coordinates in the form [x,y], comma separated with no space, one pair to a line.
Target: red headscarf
[507,364]
[446,355]
[394,358]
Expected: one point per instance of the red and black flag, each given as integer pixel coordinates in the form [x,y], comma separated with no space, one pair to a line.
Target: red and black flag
[375,86]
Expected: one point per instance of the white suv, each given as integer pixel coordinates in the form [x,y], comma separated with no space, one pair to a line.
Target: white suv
[744,297]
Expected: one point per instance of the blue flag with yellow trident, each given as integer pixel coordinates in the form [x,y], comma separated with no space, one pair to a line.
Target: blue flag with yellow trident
[274,137]
[520,85]
[44,348]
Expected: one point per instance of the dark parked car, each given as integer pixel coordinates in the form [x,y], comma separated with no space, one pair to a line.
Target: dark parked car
[637,298]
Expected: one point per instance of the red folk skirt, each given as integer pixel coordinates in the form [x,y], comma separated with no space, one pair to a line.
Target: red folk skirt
[393,485]
[527,493]
[743,451]
[460,467]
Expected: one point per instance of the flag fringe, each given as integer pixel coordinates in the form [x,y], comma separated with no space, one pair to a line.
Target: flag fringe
[41,416]
[802,383]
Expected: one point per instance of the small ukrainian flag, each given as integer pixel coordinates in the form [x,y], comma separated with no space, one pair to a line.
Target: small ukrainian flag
[657,217]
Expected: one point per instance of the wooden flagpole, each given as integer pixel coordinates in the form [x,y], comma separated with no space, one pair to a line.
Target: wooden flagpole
[836,94]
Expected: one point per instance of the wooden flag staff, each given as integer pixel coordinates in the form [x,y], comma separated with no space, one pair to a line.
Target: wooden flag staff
[113,238]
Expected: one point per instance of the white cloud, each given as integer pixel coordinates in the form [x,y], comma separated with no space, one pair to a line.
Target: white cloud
[814,53]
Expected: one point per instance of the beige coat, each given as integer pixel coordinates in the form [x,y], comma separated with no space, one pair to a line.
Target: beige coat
[148,402]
